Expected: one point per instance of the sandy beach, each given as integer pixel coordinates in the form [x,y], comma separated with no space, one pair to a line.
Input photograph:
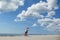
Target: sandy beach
[33,37]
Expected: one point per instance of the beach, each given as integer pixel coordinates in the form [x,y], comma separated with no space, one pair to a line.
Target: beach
[31,37]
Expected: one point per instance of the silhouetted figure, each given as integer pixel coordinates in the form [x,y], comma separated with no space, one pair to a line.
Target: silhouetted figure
[26,31]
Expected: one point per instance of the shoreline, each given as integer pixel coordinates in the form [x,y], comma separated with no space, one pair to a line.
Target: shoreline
[29,35]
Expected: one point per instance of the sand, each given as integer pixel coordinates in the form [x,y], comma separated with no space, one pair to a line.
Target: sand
[33,37]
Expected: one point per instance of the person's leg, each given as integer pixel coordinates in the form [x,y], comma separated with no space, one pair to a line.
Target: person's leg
[25,34]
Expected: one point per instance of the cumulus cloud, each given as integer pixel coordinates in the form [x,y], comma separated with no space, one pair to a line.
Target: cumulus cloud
[8,5]
[34,11]
[52,4]
[38,10]
[51,14]
[34,25]
[44,22]
[50,24]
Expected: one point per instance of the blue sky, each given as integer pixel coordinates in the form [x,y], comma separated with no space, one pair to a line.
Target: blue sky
[34,22]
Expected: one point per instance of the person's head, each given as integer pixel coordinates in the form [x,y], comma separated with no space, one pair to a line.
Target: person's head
[27,28]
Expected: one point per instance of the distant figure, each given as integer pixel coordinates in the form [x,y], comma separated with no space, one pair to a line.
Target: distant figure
[26,31]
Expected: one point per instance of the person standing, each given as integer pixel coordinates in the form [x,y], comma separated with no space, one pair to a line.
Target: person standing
[26,31]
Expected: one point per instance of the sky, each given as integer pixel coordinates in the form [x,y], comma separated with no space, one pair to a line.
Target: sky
[41,16]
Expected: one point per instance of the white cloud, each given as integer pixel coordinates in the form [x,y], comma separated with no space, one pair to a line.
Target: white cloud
[44,22]
[50,24]
[52,4]
[51,14]
[34,11]
[37,10]
[54,26]
[34,25]
[21,16]
[10,5]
